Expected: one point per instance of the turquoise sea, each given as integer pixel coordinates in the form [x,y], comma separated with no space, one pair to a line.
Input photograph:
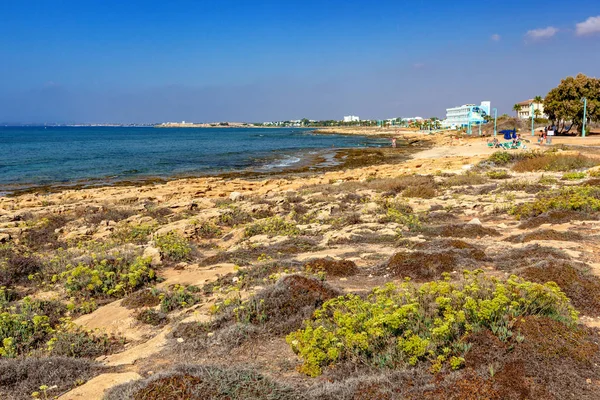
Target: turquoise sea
[34,156]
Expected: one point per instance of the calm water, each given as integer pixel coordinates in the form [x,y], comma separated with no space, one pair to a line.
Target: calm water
[31,156]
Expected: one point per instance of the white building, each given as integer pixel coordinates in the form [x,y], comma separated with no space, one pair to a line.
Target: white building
[457,117]
[525,110]
[351,118]
[410,119]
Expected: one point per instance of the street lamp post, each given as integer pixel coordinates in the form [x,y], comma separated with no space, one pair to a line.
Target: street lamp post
[532,119]
[584,116]
[495,119]
[469,123]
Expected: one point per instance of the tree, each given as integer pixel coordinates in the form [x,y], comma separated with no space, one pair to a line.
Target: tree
[538,99]
[517,108]
[564,104]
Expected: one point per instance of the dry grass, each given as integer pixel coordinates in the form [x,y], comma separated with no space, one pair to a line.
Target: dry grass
[545,234]
[198,382]
[332,267]
[512,259]
[16,266]
[276,310]
[467,179]
[583,289]
[276,251]
[555,162]
[108,214]
[459,231]
[556,217]
[420,265]
[19,377]
[142,298]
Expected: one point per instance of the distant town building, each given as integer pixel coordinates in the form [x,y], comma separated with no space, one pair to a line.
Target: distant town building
[411,119]
[351,118]
[525,109]
[457,117]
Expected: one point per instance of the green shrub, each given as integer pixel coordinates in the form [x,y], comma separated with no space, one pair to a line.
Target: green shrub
[151,317]
[501,157]
[498,174]
[179,297]
[547,180]
[234,216]
[138,234]
[274,226]
[579,198]
[173,247]
[71,340]
[21,332]
[207,230]
[595,173]
[400,213]
[573,176]
[406,324]
[113,278]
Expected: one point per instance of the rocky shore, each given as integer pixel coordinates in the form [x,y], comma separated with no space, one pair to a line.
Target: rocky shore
[207,286]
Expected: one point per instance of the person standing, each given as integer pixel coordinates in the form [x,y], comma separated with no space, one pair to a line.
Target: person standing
[394,142]
[550,134]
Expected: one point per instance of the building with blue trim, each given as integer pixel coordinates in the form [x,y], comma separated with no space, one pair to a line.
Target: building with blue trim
[459,117]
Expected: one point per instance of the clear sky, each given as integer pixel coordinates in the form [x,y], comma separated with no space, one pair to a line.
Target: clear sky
[244,60]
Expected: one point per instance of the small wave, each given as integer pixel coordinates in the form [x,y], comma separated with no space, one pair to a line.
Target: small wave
[283,163]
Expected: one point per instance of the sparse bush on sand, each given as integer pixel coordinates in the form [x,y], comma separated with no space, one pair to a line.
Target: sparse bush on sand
[274,226]
[467,179]
[331,267]
[173,247]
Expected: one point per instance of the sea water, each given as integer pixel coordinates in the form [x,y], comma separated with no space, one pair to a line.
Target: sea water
[34,156]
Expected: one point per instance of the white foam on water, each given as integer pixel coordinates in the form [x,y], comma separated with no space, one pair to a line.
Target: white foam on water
[283,163]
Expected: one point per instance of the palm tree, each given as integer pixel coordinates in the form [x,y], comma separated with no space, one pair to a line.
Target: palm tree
[517,108]
[538,99]
[537,113]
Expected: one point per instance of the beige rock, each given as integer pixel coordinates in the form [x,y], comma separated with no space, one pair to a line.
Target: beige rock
[4,237]
[236,196]
[154,254]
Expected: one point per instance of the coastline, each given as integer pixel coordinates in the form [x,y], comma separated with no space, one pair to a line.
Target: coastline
[309,161]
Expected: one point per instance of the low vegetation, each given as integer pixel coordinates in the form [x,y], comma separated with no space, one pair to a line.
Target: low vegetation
[407,325]
[274,226]
[572,198]
[555,162]
[107,277]
[173,247]
[20,377]
[196,382]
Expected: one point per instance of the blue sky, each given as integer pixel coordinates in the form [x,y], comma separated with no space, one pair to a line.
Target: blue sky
[206,60]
